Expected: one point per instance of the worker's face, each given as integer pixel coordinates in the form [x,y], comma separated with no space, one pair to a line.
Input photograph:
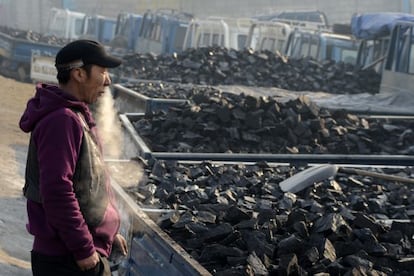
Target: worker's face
[94,85]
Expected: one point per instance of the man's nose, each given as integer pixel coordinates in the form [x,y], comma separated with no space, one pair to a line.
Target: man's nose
[107,80]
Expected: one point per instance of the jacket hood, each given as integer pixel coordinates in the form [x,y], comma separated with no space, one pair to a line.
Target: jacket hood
[47,99]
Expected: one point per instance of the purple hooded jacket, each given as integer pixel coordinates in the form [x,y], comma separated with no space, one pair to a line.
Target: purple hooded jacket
[57,224]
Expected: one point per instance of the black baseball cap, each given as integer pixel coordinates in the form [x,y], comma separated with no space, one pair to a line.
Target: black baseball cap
[82,52]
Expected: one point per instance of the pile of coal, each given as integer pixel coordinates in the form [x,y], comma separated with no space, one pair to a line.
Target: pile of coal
[168,90]
[228,123]
[33,36]
[216,65]
[235,220]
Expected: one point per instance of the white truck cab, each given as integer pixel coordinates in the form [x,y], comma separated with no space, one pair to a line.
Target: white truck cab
[230,33]
[66,24]
[206,33]
[268,35]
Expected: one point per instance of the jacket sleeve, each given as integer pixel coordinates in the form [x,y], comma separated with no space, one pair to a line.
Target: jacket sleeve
[58,140]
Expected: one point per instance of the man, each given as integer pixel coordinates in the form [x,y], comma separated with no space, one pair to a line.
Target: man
[70,206]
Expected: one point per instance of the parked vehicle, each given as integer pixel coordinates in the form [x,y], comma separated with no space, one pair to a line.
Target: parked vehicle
[268,35]
[374,30]
[66,24]
[322,46]
[16,54]
[397,75]
[95,27]
[163,31]
[230,33]
[98,27]
[150,250]
[128,26]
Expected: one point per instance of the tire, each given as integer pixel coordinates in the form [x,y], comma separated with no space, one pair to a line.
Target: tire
[22,74]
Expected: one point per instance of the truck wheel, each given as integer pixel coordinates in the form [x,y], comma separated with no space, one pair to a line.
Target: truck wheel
[22,74]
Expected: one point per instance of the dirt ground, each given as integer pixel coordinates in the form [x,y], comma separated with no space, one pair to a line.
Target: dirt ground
[15,242]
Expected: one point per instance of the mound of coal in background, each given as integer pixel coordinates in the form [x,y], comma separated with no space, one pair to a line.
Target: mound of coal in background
[217,65]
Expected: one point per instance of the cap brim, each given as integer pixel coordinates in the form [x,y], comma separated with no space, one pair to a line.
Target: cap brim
[109,62]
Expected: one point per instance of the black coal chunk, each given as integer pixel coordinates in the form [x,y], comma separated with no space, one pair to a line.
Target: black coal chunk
[225,122]
[256,229]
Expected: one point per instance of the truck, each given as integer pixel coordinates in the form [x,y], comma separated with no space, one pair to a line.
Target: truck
[374,30]
[151,246]
[272,36]
[163,31]
[118,35]
[322,45]
[64,23]
[71,25]
[28,56]
[397,75]
[395,96]
[16,53]
[98,27]
[230,33]
[127,28]
[150,250]
[303,34]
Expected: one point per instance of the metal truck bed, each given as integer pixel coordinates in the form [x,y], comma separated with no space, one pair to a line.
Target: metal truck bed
[151,251]
[129,100]
[134,146]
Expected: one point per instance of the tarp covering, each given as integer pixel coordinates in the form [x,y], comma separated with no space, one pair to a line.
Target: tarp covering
[376,25]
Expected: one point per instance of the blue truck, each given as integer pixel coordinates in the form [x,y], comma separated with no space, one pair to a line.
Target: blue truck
[374,31]
[78,26]
[398,70]
[126,35]
[322,45]
[163,31]
[98,27]
[16,54]
[19,48]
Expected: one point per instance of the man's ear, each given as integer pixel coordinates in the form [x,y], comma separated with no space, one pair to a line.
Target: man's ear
[78,74]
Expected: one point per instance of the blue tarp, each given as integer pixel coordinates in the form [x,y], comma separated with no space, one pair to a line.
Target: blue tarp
[376,25]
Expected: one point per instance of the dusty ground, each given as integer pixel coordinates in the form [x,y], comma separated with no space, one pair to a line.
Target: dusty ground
[15,242]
